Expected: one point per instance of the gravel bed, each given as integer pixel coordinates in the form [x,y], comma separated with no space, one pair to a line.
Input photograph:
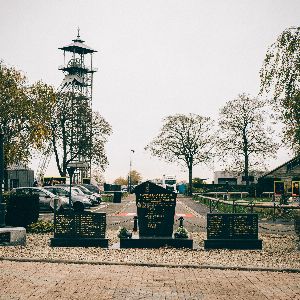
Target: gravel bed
[278,252]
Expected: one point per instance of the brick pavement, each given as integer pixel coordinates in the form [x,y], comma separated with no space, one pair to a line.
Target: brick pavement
[27,280]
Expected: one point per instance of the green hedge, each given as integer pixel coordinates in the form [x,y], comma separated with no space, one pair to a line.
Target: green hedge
[22,210]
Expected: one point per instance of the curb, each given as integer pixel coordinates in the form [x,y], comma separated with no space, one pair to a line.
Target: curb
[149,265]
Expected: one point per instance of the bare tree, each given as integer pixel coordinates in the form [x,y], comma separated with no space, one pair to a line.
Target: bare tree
[187,140]
[245,139]
[280,73]
[86,139]
[280,77]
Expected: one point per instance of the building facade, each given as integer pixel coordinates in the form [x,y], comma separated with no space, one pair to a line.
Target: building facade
[222,177]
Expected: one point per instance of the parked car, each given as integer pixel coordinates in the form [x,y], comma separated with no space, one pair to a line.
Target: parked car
[79,202]
[92,188]
[46,198]
[89,195]
[95,197]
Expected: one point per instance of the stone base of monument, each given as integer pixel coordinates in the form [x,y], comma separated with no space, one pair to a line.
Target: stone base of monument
[155,242]
[79,242]
[233,244]
[12,236]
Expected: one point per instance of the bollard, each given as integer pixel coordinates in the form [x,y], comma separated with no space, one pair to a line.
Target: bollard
[135,224]
[233,208]
[181,221]
[210,209]
[55,210]
[274,211]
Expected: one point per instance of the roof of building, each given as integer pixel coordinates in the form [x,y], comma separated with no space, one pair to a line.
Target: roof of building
[295,161]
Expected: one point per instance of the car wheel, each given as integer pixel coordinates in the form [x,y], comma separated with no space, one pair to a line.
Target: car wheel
[78,207]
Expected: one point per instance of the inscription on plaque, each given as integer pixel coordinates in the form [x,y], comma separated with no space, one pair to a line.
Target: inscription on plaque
[232,226]
[81,225]
[4,237]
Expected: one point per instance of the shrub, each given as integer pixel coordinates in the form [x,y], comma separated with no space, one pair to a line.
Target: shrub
[107,197]
[22,210]
[124,233]
[181,233]
[41,227]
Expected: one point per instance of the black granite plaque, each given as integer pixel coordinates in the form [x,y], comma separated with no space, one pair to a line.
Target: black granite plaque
[155,210]
[232,231]
[232,226]
[80,225]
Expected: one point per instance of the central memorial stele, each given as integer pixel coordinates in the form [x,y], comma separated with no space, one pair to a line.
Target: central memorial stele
[155,212]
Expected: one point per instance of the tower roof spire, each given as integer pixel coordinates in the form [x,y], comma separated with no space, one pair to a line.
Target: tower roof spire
[78,45]
[78,39]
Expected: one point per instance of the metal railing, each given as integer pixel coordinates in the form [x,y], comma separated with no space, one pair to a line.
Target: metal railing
[214,203]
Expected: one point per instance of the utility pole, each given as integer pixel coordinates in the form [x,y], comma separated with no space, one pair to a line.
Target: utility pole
[130,167]
[2,205]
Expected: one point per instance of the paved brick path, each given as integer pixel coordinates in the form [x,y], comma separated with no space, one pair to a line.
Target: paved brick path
[19,280]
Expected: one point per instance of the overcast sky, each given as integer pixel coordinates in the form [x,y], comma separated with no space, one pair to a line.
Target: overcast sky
[155,58]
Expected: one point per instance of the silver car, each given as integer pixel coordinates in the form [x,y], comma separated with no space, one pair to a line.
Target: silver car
[94,197]
[46,198]
[79,202]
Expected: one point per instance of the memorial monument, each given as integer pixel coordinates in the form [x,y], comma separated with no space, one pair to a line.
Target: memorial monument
[155,214]
[232,231]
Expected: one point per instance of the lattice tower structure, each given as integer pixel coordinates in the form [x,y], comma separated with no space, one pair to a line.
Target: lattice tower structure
[78,79]
[43,164]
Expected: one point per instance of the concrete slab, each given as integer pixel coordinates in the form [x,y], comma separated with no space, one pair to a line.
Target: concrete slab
[12,236]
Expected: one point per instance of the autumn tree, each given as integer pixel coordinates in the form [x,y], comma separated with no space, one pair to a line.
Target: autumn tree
[24,115]
[245,139]
[187,140]
[280,77]
[84,137]
[135,177]
[121,181]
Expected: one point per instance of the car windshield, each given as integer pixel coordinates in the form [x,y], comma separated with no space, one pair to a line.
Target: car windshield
[77,190]
[84,190]
[61,192]
[39,191]
[91,188]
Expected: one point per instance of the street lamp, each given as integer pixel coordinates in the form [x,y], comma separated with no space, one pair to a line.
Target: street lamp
[130,166]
